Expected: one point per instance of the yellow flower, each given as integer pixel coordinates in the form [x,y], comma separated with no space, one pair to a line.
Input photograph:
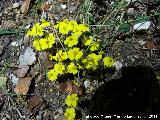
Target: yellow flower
[77,30]
[60,55]
[45,23]
[91,61]
[70,113]
[52,75]
[108,61]
[59,68]
[72,24]
[75,54]
[50,40]
[94,46]
[83,27]
[63,28]
[93,56]
[88,41]
[36,30]
[72,68]
[72,100]
[100,54]
[43,43]
[50,57]
[71,40]
[36,44]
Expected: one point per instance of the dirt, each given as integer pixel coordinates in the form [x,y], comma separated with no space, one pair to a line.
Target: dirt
[124,47]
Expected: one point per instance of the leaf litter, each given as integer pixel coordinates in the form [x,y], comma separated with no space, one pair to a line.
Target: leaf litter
[24,77]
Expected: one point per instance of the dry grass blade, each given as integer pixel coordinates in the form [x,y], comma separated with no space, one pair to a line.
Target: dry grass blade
[25,6]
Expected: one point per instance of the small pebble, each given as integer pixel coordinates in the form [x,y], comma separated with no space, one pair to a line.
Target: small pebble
[142,26]
[72,9]
[86,84]
[15,5]
[118,65]
[130,11]
[63,6]
[141,42]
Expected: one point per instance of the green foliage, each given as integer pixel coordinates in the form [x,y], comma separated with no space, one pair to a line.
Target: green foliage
[141,19]
[156,1]
[124,27]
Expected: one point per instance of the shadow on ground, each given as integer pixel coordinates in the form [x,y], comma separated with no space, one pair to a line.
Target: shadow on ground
[137,93]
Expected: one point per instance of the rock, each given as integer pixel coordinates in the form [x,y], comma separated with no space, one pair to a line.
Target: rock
[130,11]
[142,26]
[86,84]
[129,1]
[142,42]
[28,58]
[14,79]
[63,6]
[15,43]
[72,9]
[15,5]
[118,65]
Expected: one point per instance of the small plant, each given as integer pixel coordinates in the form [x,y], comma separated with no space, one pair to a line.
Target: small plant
[71,101]
[73,50]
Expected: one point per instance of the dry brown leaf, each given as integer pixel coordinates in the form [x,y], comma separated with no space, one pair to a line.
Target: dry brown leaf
[8,24]
[21,72]
[62,1]
[45,57]
[151,45]
[23,85]
[36,103]
[25,6]
[44,7]
[71,88]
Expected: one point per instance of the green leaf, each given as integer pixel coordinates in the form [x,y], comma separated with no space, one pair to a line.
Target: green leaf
[124,27]
[141,19]
[156,1]
[6,32]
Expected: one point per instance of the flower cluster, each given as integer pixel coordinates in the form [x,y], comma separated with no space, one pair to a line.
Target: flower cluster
[66,26]
[76,51]
[43,39]
[72,52]
[71,101]
[44,43]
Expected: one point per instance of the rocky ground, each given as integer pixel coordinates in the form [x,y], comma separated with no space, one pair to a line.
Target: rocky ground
[36,97]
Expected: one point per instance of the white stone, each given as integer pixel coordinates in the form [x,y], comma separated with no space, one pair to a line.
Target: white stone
[14,79]
[15,43]
[118,65]
[63,6]
[130,1]
[15,5]
[141,42]
[130,11]
[86,84]
[142,26]
[27,27]
[27,58]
